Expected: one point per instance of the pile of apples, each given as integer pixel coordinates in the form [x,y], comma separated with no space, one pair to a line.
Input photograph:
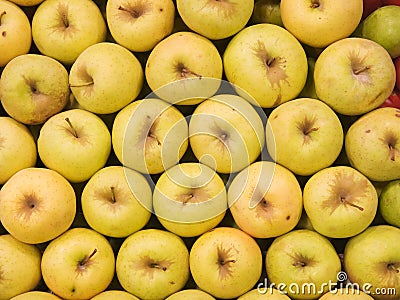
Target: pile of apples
[199,149]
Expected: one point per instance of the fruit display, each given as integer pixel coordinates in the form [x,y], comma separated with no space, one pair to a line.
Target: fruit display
[199,149]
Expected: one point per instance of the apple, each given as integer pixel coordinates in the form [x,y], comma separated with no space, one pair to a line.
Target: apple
[105,77]
[306,134]
[344,293]
[215,19]
[192,294]
[180,69]
[114,205]
[33,88]
[17,148]
[79,264]
[382,26]
[267,11]
[189,199]
[63,29]
[226,133]
[225,262]
[367,76]
[303,263]
[340,201]
[153,264]
[15,28]
[319,23]
[308,90]
[265,200]
[37,205]
[20,267]
[139,26]
[389,203]
[372,260]
[263,293]
[76,143]
[27,2]
[267,63]
[390,2]
[372,144]
[369,6]
[149,135]
[393,100]
[36,295]
[114,294]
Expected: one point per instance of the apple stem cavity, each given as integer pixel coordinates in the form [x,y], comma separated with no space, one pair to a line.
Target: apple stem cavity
[135,13]
[315,4]
[73,131]
[157,266]
[64,18]
[1,16]
[86,259]
[113,199]
[344,201]
[393,267]
[223,262]
[392,151]
[185,72]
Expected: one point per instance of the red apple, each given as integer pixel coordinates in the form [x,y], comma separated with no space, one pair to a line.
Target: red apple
[397,65]
[370,5]
[390,2]
[393,100]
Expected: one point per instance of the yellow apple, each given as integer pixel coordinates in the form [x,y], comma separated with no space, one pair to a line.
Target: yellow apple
[36,295]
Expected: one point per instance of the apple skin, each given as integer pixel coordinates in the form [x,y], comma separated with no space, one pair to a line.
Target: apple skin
[265,200]
[263,293]
[192,294]
[76,150]
[320,23]
[267,64]
[229,248]
[63,29]
[36,295]
[114,294]
[154,20]
[302,256]
[153,264]
[17,148]
[372,144]
[63,269]
[37,205]
[20,267]
[367,76]
[16,33]
[340,201]
[373,258]
[346,293]
[393,100]
[389,203]
[33,88]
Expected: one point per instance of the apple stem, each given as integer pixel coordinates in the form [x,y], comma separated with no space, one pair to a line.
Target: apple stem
[360,70]
[113,200]
[134,13]
[315,4]
[307,132]
[185,72]
[87,258]
[65,19]
[299,264]
[81,85]
[343,200]
[157,266]
[223,262]
[72,128]
[151,135]
[392,151]
[1,15]
[392,267]
[187,198]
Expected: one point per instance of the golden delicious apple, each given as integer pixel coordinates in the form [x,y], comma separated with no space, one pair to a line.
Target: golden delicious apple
[346,293]
[36,295]
[263,293]
[191,294]
[114,294]
[37,205]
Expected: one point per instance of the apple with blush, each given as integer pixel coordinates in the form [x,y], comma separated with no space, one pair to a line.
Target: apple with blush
[393,100]
[390,2]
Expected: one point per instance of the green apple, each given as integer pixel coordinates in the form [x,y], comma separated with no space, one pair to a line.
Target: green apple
[306,134]
[225,262]
[76,143]
[178,65]
[17,148]
[114,294]
[265,200]
[63,29]
[153,264]
[189,199]
[304,263]
[372,144]
[389,203]
[318,23]
[263,293]
[372,260]
[114,205]
[15,28]
[226,133]
[268,63]
[140,25]
[215,19]
[340,201]
[19,267]
[149,135]
[267,11]
[33,88]
[106,77]
[192,294]
[346,293]
[383,26]
[79,264]
[354,76]
[308,90]
[37,205]
[36,295]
